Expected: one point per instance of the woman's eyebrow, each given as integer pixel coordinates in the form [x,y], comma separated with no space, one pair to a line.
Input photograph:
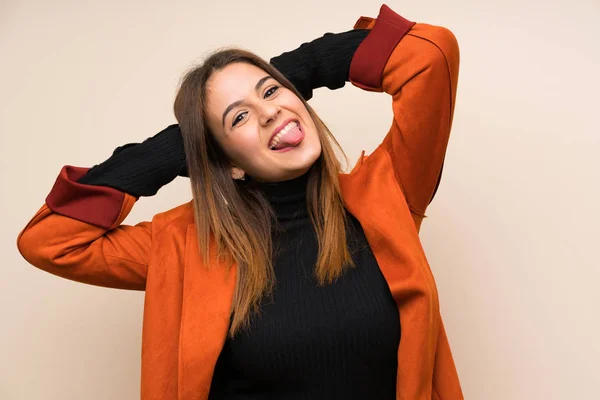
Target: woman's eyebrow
[233,105]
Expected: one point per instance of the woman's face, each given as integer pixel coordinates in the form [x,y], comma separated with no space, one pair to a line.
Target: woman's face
[245,107]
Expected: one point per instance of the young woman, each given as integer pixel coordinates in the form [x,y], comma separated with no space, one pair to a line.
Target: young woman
[283,278]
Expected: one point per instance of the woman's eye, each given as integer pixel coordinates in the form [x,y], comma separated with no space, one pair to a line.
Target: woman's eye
[271,91]
[240,116]
[237,119]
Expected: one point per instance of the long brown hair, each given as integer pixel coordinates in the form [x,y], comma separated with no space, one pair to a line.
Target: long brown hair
[233,217]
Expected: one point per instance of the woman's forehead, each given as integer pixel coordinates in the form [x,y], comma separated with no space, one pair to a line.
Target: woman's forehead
[237,77]
[232,84]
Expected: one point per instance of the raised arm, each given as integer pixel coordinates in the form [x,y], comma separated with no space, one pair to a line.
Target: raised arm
[78,233]
[417,64]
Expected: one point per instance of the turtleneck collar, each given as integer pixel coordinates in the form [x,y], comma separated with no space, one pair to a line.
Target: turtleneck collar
[288,198]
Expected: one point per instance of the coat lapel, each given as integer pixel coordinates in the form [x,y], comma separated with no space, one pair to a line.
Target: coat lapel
[207,300]
[372,194]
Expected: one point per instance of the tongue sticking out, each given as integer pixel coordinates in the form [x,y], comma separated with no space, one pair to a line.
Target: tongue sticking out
[290,139]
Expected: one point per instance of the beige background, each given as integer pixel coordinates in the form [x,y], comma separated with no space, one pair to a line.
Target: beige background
[512,236]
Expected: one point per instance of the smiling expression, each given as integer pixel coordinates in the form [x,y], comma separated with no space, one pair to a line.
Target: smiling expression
[248,110]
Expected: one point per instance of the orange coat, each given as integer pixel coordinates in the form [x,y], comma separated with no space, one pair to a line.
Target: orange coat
[78,235]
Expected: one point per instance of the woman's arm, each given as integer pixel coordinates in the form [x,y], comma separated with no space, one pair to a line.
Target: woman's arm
[323,62]
[417,64]
[141,169]
[78,233]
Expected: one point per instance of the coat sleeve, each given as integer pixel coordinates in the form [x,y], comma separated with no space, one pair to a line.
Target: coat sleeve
[77,234]
[417,64]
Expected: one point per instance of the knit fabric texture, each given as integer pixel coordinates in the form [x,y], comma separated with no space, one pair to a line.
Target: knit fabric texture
[339,341]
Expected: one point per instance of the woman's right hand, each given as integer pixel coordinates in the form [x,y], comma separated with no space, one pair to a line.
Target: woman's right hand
[141,169]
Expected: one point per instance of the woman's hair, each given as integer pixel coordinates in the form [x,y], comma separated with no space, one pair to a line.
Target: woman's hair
[232,217]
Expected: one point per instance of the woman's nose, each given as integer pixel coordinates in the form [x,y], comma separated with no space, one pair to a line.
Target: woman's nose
[269,112]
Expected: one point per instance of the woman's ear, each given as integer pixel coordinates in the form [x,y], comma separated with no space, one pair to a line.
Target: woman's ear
[238,173]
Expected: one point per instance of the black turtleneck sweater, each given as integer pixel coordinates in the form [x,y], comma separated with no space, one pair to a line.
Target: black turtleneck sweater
[339,341]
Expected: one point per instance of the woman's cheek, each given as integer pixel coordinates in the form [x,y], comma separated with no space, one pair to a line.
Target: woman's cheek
[248,142]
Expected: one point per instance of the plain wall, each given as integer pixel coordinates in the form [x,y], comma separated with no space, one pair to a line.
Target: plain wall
[512,236]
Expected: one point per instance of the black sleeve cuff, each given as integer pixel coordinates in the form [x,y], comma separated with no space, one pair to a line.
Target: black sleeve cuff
[323,62]
[141,169]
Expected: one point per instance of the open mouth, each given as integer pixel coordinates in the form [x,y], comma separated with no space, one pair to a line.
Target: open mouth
[288,137]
